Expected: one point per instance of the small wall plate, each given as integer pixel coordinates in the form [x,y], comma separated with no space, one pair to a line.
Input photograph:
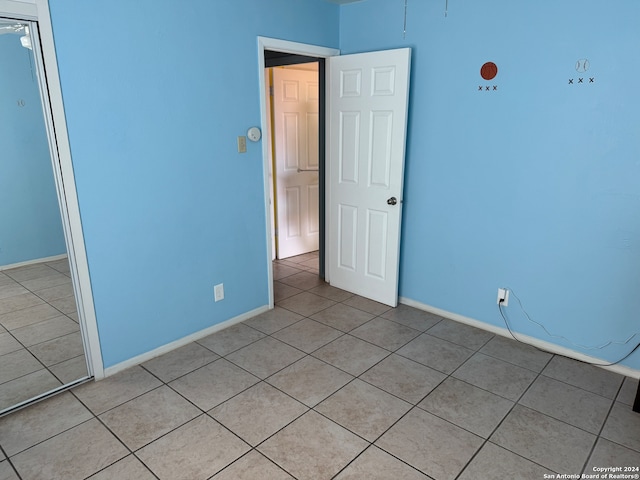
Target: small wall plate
[254,134]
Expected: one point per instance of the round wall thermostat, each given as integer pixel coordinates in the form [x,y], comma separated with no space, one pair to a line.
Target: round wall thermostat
[254,134]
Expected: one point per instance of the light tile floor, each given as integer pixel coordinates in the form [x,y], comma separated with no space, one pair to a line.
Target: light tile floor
[40,343]
[331,385]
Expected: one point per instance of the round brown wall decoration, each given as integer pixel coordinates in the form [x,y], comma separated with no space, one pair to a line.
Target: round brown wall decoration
[489,71]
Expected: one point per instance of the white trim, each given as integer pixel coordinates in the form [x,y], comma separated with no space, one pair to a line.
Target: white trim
[24,10]
[56,125]
[535,342]
[285,46]
[43,396]
[327,174]
[26,263]
[182,342]
[265,43]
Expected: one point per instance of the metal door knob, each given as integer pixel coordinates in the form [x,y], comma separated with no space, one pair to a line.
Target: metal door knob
[392,201]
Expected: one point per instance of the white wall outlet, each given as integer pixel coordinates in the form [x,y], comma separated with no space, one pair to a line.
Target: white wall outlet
[503,297]
[218,292]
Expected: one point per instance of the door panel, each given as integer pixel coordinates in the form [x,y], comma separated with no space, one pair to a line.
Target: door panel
[292,206]
[376,244]
[349,140]
[290,141]
[296,125]
[368,95]
[347,228]
[380,152]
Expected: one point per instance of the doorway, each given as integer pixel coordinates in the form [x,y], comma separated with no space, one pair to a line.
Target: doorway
[277,53]
[368,104]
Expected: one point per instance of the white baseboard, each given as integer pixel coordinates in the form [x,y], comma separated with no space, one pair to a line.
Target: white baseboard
[182,342]
[33,262]
[535,342]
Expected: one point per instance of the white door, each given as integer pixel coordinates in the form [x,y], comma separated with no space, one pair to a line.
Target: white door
[296,159]
[368,95]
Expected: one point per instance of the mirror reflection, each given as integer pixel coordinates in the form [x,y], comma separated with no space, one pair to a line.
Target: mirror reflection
[40,341]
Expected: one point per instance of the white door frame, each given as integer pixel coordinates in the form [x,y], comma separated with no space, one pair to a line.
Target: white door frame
[265,43]
[60,150]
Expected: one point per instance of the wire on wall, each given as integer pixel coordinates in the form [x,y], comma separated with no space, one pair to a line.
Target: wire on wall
[404,31]
[584,347]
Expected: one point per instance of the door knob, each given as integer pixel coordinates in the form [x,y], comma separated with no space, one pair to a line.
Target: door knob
[392,201]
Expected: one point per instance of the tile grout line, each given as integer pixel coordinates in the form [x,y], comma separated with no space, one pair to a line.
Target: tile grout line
[45,367]
[134,452]
[8,460]
[599,434]
[487,440]
[539,373]
[131,452]
[264,380]
[307,409]
[51,437]
[253,449]
[202,412]
[390,352]
[448,375]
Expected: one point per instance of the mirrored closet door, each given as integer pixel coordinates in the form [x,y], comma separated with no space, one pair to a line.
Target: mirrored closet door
[41,345]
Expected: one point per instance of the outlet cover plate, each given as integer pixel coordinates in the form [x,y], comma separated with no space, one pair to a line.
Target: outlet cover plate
[503,294]
[218,292]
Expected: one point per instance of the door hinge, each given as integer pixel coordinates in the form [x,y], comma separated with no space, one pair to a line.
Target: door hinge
[271,90]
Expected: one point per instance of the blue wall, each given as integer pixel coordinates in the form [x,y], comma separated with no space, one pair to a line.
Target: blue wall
[155,94]
[534,186]
[30,224]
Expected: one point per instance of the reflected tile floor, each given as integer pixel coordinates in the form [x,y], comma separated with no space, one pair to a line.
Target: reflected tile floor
[40,342]
[331,385]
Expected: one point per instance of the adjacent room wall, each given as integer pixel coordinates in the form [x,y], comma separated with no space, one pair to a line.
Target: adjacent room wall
[155,95]
[533,185]
[30,223]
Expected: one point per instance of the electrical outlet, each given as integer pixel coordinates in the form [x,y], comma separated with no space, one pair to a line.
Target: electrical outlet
[218,292]
[503,297]
[242,144]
